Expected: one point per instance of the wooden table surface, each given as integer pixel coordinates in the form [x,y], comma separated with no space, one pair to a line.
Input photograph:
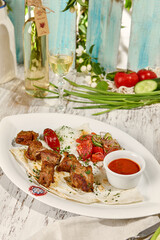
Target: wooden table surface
[20,214]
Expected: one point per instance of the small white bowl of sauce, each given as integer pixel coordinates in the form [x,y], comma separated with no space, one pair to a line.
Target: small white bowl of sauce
[124,168]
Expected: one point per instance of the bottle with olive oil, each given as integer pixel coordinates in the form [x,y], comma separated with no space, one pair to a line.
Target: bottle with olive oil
[36,65]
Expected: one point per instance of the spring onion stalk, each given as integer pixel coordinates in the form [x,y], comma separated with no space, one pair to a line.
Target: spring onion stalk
[94,98]
[107,92]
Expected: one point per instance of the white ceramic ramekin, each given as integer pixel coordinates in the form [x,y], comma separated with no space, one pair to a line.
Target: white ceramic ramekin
[119,180]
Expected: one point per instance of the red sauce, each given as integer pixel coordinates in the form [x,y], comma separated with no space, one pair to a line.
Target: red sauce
[124,166]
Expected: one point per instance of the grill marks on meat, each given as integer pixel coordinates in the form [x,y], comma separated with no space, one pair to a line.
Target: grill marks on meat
[82,178]
[34,150]
[46,176]
[49,160]
[69,162]
[50,156]
[26,137]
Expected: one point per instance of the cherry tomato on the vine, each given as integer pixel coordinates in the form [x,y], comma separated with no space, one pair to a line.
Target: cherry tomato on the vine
[144,74]
[51,139]
[127,79]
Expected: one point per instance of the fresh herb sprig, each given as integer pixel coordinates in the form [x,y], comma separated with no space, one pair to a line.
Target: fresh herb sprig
[87,63]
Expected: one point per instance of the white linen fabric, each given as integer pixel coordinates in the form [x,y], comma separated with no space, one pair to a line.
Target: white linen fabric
[84,228]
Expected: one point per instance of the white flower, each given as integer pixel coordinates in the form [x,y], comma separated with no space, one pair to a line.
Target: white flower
[79,50]
[78,53]
[83,68]
[94,84]
[80,60]
[89,67]
[88,79]
[83,1]
[94,79]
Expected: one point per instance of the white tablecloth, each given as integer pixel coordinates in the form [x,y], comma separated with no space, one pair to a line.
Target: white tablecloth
[85,228]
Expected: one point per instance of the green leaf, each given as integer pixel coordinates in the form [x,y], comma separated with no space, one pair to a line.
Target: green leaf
[128,4]
[83,29]
[102,85]
[95,76]
[96,68]
[82,3]
[85,55]
[91,49]
[110,76]
[70,3]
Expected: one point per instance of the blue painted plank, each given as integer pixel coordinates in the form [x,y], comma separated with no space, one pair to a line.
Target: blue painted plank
[62,26]
[17,18]
[104,24]
[144,47]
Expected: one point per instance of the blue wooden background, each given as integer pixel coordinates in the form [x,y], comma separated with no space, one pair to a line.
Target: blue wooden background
[104,27]
[104,23]
[17,18]
[144,48]
[62,25]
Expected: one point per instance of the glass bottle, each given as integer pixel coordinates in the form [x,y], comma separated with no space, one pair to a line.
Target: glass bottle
[8,64]
[36,66]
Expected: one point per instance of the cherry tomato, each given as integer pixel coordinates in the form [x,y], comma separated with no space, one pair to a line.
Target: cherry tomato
[85,149]
[97,157]
[97,149]
[127,79]
[144,74]
[51,139]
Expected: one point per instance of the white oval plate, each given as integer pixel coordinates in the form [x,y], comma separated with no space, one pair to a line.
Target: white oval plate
[148,186]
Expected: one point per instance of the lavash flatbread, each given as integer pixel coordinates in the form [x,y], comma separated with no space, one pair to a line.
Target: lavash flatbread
[103,193]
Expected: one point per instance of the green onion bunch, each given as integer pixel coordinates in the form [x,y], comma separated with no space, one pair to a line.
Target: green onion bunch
[101,98]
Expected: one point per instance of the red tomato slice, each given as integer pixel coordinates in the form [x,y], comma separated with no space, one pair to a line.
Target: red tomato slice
[97,149]
[97,157]
[84,138]
[84,149]
[144,74]
[51,139]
